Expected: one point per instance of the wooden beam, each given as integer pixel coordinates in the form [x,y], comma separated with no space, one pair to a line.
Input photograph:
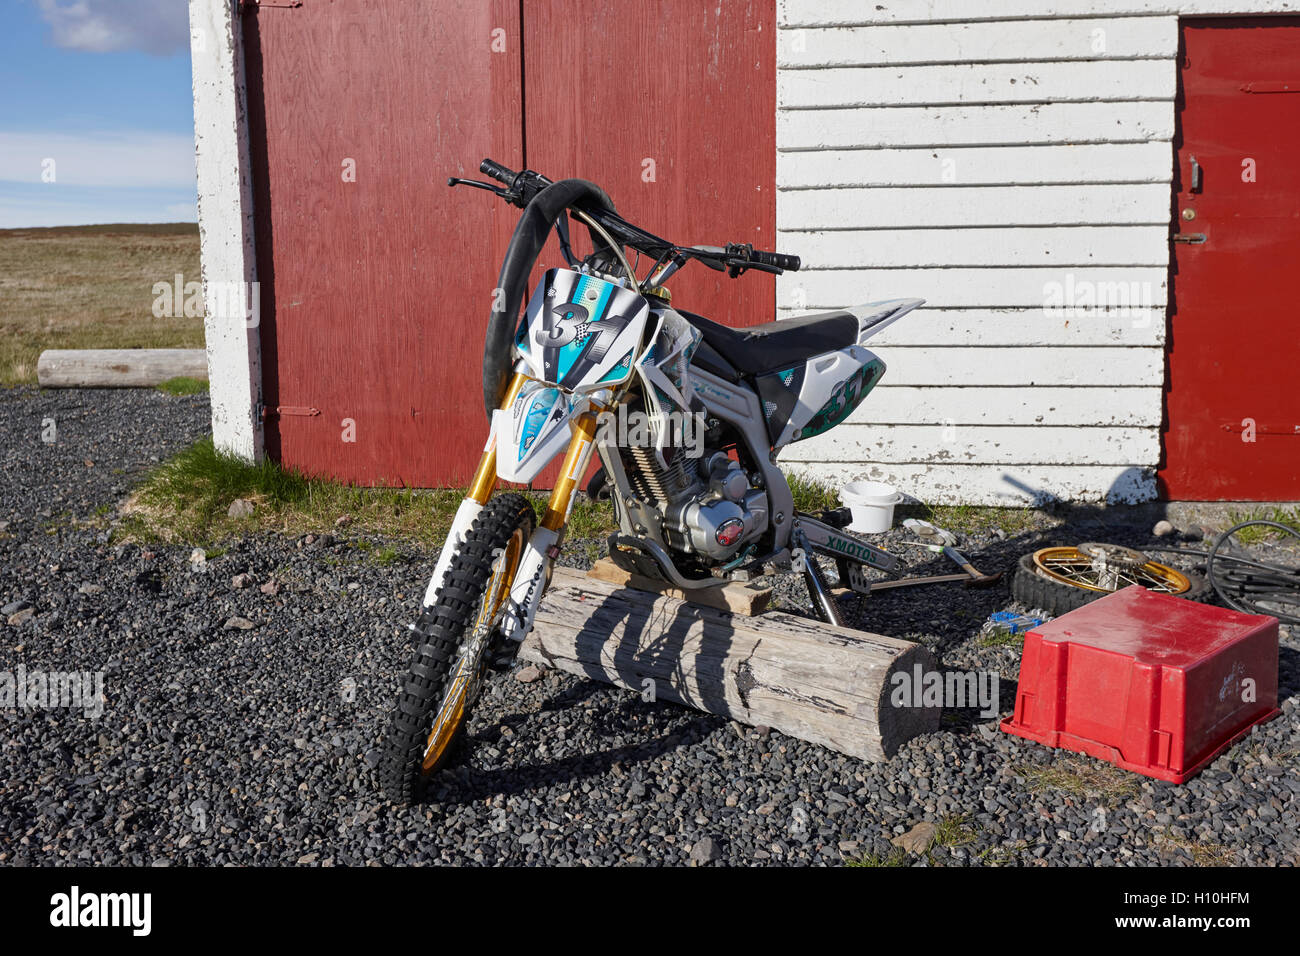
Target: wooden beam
[118,368]
[831,686]
[731,596]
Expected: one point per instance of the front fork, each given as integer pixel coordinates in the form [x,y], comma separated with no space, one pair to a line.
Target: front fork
[535,564]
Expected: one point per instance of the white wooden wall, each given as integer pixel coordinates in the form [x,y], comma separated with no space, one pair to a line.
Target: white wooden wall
[972,153]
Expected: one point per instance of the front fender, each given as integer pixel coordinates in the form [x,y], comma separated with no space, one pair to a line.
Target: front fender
[531,432]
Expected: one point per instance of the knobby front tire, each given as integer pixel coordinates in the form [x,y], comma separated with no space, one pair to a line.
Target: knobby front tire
[427,729]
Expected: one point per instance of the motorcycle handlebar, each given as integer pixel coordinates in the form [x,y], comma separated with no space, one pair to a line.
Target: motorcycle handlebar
[501,174]
[635,237]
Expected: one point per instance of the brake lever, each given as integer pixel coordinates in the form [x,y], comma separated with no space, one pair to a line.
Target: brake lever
[477,184]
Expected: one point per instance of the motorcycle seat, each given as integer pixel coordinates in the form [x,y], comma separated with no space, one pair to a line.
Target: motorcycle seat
[775,345]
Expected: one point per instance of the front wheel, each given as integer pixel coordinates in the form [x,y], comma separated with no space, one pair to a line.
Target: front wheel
[455,637]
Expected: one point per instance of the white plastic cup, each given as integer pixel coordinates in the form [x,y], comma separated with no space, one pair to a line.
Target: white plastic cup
[871,504]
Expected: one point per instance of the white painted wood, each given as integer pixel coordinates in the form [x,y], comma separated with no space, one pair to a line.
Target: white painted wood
[945,443]
[970,83]
[1134,290]
[986,42]
[1002,485]
[977,165]
[910,164]
[814,13]
[929,206]
[1024,366]
[911,126]
[118,368]
[1040,405]
[966,327]
[828,685]
[1008,246]
[226,228]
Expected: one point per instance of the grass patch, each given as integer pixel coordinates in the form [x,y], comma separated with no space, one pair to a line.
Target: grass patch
[1001,639]
[1082,778]
[1285,516]
[953,832]
[811,495]
[971,519]
[1202,852]
[188,496]
[181,385]
[91,288]
[896,857]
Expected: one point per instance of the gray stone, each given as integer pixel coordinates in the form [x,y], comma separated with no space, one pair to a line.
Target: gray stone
[240,508]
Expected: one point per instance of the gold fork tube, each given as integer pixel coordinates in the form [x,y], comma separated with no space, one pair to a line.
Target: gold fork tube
[485,477]
[575,463]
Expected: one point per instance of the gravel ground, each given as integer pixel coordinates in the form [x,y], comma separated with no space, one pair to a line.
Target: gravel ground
[243,713]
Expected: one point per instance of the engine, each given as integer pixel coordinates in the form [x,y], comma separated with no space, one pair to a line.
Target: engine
[706,506]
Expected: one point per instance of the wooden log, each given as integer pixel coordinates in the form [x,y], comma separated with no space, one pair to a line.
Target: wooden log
[828,685]
[729,596]
[118,368]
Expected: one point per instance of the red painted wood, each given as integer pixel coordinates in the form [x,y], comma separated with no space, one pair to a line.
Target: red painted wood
[1233,346]
[690,86]
[375,293]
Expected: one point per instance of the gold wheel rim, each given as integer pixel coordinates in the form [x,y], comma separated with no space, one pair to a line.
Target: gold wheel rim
[1072,567]
[451,712]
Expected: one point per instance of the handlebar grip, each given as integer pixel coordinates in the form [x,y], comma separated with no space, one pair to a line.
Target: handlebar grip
[502,174]
[775,259]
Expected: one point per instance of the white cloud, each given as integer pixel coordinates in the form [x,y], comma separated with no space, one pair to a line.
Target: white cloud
[160,160]
[104,26]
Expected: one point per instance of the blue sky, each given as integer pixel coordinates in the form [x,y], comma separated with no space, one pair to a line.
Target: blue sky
[102,89]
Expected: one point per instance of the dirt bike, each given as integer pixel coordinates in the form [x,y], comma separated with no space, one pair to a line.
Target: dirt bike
[686,416]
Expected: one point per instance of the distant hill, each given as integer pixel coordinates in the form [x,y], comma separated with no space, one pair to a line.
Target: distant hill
[108,229]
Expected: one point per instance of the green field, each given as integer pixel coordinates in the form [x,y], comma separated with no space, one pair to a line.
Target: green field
[91,287]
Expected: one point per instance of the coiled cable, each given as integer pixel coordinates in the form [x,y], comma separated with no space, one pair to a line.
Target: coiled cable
[1245,584]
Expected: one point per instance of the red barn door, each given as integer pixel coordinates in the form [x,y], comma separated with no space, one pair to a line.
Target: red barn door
[376,277]
[670,105]
[1233,408]
[376,288]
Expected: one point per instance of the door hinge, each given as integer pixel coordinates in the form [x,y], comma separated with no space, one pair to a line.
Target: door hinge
[283,410]
[1288,87]
[245,4]
[1268,429]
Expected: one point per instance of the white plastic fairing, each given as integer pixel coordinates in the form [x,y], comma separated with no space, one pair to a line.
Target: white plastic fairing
[877,316]
[531,432]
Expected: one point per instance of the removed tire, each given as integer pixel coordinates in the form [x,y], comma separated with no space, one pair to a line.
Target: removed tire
[1055,580]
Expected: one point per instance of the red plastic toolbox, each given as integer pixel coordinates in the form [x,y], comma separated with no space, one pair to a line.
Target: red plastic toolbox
[1150,682]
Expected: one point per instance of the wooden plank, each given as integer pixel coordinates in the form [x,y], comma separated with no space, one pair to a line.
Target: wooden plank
[1133,290]
[949,443]
[1023,366]
[956,206]
[118,368]
[876,127]
[814,13]
[1139,406]
[977,166]
[999,485]
[731,596]
[1022,327]
[831,686]
[972,83]
[915,248]
[986,42]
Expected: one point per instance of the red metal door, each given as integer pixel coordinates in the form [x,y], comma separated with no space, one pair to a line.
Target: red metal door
[376,277]
[1232,405]
[670,105]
